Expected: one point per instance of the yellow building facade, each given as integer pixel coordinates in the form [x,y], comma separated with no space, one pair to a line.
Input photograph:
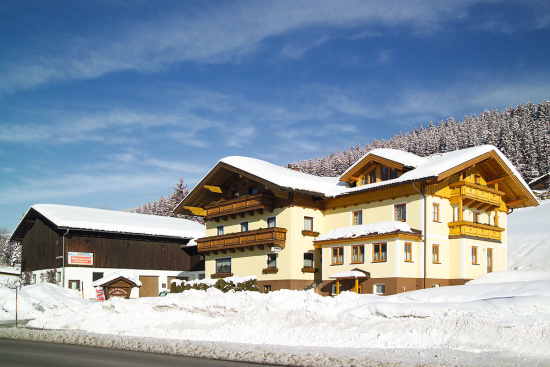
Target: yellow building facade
[393,222]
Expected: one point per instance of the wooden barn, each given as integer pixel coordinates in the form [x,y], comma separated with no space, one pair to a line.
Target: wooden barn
[79,245]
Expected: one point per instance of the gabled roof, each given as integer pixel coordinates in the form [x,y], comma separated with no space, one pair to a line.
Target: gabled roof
[109,221]
[435,167]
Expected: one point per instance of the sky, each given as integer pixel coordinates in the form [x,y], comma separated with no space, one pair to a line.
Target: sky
[106,104]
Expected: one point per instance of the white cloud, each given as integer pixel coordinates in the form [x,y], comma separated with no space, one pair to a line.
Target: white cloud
[217,34]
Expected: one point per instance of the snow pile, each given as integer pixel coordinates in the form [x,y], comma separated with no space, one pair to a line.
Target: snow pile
[34,300]
[529,238]
[365,229]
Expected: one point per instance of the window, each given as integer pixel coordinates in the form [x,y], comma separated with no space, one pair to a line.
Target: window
[435,285]
[334,290]
[489,260]
[74,284]
[253,190]
[379,288]
[379,252]
[435,217]
[363,180]
[393,174]
[271,222]
[401,212]
[337,256]
[357,218]
[58,277]
[308,260]
[435,254]
[475,218]
[385,173]
[34,279]
[96,276]
[357,254]
[235,194]
[308,223]
[474,255]
[244,226]
[408,251]
[267,288]
[223,265]
[219,230]
[272,261]
[372,176]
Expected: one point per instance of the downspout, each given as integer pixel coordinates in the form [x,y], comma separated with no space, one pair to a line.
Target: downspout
[425,232]
[63,280]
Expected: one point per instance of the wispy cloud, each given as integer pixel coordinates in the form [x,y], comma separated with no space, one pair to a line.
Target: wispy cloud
[217,34]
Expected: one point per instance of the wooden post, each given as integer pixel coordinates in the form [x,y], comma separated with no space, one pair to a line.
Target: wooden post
[496,217]
[460,218]
[337,287]
[357,285]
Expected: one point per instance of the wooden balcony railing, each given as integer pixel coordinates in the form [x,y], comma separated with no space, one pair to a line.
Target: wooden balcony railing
[242,205]
[262,237]
[476,230]
[476,196]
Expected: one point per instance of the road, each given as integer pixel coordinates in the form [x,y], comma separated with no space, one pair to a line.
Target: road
[19,353]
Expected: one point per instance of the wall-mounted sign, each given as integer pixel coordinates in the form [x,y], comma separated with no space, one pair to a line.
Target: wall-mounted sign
[81,258]
[276,249]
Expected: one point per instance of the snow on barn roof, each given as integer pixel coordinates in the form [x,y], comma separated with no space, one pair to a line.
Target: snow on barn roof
[423,168]
[79,218]
[365,229]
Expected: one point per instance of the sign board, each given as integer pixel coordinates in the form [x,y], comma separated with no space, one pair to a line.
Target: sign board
[81,258]
[276,249]
[99,295]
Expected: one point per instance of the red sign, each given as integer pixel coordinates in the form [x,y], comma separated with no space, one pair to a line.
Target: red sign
[99,295]
[81,258]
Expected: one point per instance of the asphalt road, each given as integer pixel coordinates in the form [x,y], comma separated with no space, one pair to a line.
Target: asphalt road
[18,353]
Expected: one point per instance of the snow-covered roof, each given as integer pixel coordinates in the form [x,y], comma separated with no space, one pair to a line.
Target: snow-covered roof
[10,270]
[281,176]
[80,218]
[405,158]
[128,274]
[434,165]
[365,229]
[424,168]
[348,274]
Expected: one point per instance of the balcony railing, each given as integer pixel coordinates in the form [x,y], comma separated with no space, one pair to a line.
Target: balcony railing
[262,237]
[477,230]
[474,195]
[242,205]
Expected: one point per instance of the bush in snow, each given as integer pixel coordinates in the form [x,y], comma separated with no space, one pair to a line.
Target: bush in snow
[221,284]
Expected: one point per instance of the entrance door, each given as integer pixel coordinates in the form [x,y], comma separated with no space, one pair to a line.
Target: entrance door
[149,286]
[489,260]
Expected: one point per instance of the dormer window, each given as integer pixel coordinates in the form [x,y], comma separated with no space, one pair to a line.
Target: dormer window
[372,176]
[253,190]
[385,173]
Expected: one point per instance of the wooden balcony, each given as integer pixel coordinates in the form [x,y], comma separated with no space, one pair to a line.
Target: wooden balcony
[243,240]
[475,230]
[240,206]
[475,196]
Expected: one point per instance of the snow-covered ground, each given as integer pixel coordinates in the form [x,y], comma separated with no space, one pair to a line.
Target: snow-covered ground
[499,319]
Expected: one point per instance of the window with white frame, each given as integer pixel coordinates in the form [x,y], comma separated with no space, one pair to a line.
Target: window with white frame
[271,222]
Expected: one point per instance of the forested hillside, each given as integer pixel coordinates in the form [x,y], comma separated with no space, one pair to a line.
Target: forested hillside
[521,133]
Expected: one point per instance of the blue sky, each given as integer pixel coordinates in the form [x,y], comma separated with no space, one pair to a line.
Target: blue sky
[108,103]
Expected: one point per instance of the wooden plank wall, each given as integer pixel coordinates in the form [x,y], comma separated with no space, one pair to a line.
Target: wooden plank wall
[42,244]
